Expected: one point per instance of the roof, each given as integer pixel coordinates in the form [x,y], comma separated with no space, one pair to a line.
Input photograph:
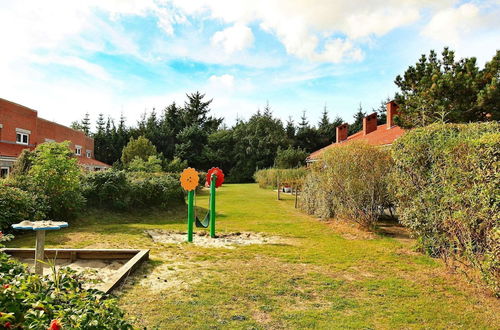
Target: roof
[380,137]
[91,162]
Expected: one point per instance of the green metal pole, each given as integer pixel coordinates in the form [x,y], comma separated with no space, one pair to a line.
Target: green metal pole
[212,205]
[190,215]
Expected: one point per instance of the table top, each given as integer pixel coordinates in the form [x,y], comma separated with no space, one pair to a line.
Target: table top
[40,225]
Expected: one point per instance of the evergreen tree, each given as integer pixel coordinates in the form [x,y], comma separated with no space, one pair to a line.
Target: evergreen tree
[85,125]
[307,137]
[327,130]
[290,130]
[357,125]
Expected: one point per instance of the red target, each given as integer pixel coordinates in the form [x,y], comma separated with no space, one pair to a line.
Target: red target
[220,176]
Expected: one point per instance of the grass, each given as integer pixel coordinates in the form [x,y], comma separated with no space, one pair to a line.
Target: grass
[323,276]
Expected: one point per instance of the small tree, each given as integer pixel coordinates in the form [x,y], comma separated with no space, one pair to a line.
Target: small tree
[141,148]
[290,158]
[56,179]
[152,165]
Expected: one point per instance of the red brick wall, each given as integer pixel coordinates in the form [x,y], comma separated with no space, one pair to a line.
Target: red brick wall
[14,116]
[370,123]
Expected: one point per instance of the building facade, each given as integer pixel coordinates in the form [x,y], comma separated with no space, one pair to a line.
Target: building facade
[21,128]
[373,134]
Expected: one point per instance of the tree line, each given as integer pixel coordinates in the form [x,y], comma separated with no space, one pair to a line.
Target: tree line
[433,90]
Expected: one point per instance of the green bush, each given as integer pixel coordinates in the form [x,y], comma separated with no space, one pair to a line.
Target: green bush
[120,190]
[447,190]
[350,182]
[268,178]
[16,205]
[290,158]
[29,301]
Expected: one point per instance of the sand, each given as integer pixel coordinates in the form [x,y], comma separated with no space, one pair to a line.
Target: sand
[95,270]
[228,241]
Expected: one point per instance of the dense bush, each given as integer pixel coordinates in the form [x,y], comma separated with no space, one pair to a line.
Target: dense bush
[16,205]
[120,190]
[350,182]
[29,301]
[269,177]
[447,189]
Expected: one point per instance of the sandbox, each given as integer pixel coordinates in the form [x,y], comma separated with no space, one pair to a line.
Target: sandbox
[228,240]
[112,266]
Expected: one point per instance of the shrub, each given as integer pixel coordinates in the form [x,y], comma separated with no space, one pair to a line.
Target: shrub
[55,178]
[269,177]
[121,190]
[176,165]
[142,148]
[350,182]
[107,189]
[447,188]
[16,205]
[151,165]
[29,301]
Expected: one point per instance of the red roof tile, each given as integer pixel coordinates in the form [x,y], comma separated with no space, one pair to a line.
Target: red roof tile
[91,162]
[381,136]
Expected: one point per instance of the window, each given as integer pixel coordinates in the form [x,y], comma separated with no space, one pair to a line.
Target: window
[78,150]
[22,138]
[89,153]
[49,140]
[4,172]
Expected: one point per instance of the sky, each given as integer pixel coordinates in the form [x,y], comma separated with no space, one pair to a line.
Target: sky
[66,58]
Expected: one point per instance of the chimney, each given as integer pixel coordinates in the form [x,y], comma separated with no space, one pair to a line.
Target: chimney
[392,110]
[370,123]
[342,132]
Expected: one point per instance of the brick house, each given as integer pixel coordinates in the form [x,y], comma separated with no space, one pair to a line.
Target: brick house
[373,134]
[21,128]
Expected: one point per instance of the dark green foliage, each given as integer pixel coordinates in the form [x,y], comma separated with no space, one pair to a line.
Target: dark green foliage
[191,143]
[257,143]
[16,205]
[327,130]
[447,189]
[119,190]
[357,125]
[448,90]
[290,158]
[219,151]
[28,301]
[307,137]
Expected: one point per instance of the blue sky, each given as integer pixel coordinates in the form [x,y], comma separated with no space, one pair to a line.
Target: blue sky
[66,58]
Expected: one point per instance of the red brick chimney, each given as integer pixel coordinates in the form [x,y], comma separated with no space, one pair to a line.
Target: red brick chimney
[392,110]
[370,123]
[342,132]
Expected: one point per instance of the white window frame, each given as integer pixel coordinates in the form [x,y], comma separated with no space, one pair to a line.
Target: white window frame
[5,168]
[78,150]
[20,138]
[88,153]
[49,140]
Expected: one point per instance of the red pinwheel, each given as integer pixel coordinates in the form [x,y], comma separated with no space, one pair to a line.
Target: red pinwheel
[220,176]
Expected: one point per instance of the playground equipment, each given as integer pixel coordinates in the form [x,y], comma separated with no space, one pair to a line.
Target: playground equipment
[189,181]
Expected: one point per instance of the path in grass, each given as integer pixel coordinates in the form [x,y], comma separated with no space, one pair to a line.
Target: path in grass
[315,278]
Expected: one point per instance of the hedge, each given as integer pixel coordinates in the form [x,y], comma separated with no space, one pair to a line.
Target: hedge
[120,190]
[350,183]
[16,205]
[447,189]
[268,178]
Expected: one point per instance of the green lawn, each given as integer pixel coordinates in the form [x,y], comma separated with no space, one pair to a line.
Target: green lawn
[320,276]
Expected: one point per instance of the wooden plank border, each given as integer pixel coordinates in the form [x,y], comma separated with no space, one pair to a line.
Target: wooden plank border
[136,257]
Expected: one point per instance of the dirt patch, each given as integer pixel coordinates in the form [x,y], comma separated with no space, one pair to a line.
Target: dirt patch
[228,241]
[95,270]
[349,230]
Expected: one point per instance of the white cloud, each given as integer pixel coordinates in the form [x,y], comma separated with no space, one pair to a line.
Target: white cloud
[234,38]
[225,80]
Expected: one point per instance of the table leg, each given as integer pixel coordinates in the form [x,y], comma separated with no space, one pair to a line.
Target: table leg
[39,251]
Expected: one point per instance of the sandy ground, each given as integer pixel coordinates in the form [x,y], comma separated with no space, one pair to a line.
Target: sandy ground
[96,270]
[228,241]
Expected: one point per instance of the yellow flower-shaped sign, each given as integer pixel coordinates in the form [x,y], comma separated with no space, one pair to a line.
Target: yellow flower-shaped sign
[189,179]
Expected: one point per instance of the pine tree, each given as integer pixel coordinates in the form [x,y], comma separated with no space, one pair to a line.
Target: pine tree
[85,125]
[357,125]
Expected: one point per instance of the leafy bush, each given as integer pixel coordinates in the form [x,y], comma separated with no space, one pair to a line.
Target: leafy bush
[447,189]
[176,165]
[52,175]
[121,190]
[16,205]
[269,177]
[350,182]
[151,165]
[29,301]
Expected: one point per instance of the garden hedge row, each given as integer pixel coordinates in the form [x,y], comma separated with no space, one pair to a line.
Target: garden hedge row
[268,178]
[446,183]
